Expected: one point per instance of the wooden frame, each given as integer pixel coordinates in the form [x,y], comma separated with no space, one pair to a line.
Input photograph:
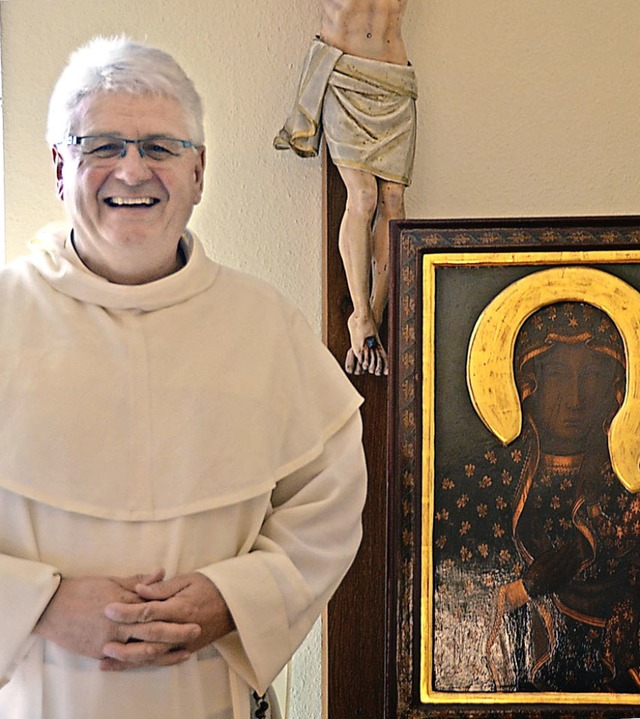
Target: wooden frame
[427,297]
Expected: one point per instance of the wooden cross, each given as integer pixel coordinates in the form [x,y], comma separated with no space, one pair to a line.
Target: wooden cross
[356,621]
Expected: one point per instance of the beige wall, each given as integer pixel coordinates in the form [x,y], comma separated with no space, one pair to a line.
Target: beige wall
[527,107]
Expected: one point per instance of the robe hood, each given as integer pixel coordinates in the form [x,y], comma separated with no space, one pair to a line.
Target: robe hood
[152,401]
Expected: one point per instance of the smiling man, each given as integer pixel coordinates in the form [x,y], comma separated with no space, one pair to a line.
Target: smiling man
[127,207]
[173,517]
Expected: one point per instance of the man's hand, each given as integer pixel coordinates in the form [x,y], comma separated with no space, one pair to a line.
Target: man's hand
[75,619]
[185,600]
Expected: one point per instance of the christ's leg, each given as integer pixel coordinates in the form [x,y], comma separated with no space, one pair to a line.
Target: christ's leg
[356,247]
[390,207]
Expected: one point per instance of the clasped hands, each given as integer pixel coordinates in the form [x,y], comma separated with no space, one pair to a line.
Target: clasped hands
[141,620]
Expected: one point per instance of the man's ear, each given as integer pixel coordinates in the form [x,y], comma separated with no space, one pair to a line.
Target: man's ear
[58,162]
[199,173]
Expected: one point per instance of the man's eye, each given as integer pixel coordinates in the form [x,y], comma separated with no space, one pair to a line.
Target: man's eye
[157,149]
[105,148]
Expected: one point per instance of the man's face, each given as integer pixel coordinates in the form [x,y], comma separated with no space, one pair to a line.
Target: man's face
[128,204]
[575,395]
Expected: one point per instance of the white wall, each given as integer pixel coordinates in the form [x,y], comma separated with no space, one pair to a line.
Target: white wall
[527,107]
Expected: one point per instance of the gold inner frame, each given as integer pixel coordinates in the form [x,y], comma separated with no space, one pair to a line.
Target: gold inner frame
[431,262]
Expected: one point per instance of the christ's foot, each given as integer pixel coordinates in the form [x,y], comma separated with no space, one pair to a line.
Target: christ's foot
[366,353]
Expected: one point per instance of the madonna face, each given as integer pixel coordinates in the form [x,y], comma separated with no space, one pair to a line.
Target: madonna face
[575,395]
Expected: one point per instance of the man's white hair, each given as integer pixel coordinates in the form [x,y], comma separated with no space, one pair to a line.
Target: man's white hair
[119,64]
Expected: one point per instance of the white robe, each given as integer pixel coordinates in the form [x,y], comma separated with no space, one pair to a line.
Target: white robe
[194,423]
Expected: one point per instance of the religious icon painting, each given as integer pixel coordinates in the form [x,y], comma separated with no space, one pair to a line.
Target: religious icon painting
[514,503]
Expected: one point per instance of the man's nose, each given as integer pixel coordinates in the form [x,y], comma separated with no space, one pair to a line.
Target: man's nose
[132,167]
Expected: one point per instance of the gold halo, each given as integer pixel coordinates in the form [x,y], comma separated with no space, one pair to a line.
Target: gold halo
[490,376]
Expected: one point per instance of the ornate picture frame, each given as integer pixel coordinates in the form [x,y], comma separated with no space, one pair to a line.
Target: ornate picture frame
[480,623]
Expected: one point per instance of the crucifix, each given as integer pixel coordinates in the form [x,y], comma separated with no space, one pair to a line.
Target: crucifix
[358,90]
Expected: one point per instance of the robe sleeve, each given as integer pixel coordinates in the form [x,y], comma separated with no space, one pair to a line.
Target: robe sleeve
[26,588]
[305,547]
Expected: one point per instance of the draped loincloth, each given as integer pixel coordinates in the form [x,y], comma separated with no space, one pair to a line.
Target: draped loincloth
[365,107]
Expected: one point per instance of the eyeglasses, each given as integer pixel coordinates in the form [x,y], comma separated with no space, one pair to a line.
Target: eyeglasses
[107,147]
